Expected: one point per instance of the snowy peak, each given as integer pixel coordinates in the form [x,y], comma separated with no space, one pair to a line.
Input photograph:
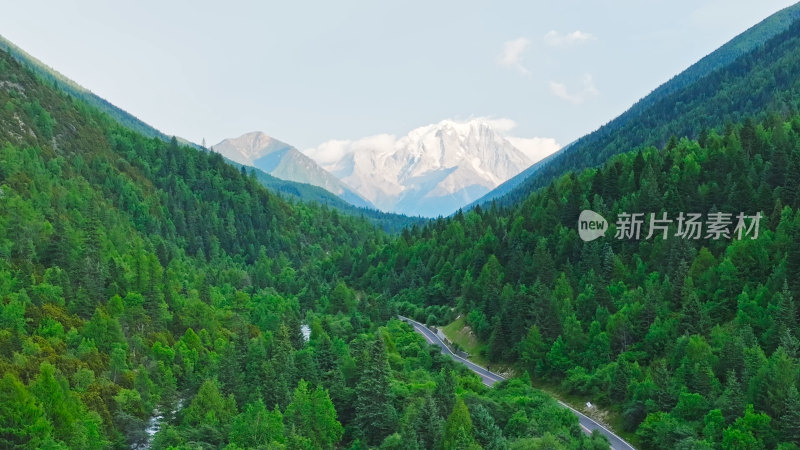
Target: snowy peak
[471,145]
[431,171]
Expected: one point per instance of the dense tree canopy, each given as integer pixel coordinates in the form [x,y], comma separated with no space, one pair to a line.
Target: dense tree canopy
[151,293]
[691,341]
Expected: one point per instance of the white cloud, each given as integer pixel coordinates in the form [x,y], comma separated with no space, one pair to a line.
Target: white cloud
[535,148]
[555,39]
[378,141]
[560,91]
[588,85]
[500,125]
[330,152]
[588,89]
[512,54]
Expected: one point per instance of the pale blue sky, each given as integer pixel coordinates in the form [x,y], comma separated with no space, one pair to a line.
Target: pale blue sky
[306,72]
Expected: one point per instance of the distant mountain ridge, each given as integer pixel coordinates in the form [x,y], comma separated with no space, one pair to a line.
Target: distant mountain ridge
[683,106]
[433,170]
[295,190]
[249,147]
[292,192]
[283,161]
[74,89]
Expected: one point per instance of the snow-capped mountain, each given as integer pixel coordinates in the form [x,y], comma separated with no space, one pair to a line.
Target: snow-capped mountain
[281,160]
[433,170]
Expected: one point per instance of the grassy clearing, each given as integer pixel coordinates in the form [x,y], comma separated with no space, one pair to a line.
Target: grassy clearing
[608,418]
[461,334]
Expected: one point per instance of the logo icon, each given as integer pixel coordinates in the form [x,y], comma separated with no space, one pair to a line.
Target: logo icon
[591,225]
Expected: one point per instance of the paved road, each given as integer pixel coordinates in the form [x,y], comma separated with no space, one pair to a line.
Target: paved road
[489,378]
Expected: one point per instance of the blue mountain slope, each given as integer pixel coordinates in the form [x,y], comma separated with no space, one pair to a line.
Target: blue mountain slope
[667,109]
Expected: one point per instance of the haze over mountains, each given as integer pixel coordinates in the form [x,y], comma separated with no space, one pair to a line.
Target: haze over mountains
[433,170]
[704,96]
[437,169]
[331,194]
[281,160]
[152,295]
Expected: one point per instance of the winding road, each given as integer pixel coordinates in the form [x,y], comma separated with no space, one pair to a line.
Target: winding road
[489,378]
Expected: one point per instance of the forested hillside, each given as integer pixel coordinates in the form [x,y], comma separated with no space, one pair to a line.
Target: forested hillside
[149,286]
[751,75]
[154,296]
[51,76]
[694,342]
[290,190]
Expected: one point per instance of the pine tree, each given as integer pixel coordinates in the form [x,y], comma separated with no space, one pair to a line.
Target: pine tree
[618,388]
[330,372]
[327,430]
[428,425]
[23,423]
[375,414]
[532,349]
[257,426]
[731,402]
[487,433]
[789,421]
[311,415]
[558,357]
[209,414]
[458,432]
[490,282]
[280,368]
[445,392]
[72,424]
